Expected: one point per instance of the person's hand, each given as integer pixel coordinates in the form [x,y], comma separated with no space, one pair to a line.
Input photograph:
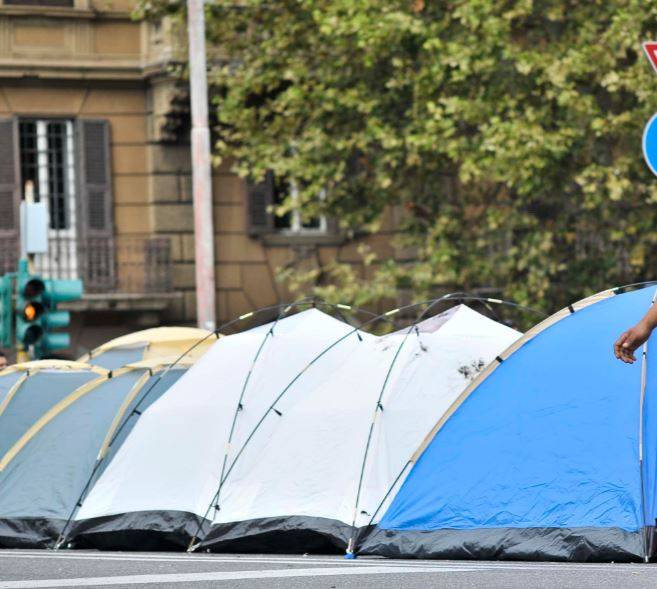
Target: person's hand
[629,341]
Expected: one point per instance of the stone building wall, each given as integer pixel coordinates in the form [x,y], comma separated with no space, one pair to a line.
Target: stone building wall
[93,61]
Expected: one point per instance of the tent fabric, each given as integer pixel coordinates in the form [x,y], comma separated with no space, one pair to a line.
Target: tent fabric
[57,453]
[161,482]
[308,469]
[156,342]
[541,458]
[30,389]
[281,438]
[118,357]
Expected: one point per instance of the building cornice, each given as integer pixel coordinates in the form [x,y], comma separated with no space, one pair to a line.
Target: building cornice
[45,12]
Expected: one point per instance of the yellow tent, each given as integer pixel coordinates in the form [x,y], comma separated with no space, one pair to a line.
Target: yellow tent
[189,342]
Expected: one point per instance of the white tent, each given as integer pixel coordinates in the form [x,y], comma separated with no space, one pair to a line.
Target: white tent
[290,440]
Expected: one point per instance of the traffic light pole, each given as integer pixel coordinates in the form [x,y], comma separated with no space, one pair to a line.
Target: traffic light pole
[201,168]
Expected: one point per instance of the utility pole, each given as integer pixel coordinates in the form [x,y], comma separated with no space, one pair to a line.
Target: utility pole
[201,167]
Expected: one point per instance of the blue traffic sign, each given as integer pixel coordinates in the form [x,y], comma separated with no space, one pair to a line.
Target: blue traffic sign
[650,144]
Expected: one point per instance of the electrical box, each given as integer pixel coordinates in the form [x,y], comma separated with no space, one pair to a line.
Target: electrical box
[34,228]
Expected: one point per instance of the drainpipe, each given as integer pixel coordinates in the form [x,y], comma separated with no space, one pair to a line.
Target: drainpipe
[201,168]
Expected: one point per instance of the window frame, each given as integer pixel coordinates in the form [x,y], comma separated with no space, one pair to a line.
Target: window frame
[296,223]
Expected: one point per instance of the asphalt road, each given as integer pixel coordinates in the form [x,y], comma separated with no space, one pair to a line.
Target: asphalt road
[20,569]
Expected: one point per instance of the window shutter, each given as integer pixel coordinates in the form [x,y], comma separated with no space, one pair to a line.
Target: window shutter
[260,197]
[10,194]
[95,175]
[95,198]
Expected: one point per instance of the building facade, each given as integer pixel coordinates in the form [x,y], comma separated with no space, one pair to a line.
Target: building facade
[94,122]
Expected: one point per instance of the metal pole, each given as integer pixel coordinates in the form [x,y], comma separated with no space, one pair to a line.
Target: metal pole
[201,168]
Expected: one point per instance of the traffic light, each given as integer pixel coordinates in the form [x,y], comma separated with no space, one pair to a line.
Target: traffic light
[37,316]
[56,292]
[29,309]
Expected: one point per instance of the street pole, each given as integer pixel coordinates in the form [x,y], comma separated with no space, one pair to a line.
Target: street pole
[201,168]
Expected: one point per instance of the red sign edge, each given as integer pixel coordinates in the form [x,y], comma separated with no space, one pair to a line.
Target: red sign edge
[650,49]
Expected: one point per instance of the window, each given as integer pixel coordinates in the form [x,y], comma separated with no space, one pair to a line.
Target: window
[65,164]
[265,195]
[293,222]
[47,168]
[48,175]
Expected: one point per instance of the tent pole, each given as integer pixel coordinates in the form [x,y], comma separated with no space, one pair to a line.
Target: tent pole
[463,297]
[279,306]
[283,311]
[238,408]
[377,411]
[644,507]
[192,546]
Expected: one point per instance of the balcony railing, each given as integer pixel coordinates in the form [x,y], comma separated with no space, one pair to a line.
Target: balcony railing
[130,265]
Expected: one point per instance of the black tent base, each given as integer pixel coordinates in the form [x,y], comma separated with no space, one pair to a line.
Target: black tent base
[30,532]
[140,530]
[537,544]
[290,534]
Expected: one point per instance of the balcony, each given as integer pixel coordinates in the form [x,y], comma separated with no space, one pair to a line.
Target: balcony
[119,273]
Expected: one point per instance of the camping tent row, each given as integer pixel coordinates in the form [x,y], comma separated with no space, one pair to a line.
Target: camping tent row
[266,444]
[294,435]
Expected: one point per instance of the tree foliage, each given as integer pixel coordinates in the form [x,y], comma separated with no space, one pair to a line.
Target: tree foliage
[508,132]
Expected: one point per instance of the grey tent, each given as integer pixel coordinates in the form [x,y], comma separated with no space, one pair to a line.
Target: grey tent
[60,424]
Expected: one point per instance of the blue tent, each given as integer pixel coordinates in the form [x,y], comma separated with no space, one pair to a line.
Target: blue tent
[551,454]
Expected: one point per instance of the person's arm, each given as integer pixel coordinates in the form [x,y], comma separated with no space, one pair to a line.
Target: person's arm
[636,336]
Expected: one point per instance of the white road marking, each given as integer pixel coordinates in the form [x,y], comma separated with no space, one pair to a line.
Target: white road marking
[222,576]
[210,559]
[315,561]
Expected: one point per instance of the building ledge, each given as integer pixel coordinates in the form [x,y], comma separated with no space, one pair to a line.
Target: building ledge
[302,239]
[62,12]
[124,302]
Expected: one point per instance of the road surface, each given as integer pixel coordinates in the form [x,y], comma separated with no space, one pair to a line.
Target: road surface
[22,569]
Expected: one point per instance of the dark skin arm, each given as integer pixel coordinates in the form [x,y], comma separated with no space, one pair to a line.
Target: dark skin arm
[635,337]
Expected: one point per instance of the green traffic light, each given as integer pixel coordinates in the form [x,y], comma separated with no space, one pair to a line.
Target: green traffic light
[36,311]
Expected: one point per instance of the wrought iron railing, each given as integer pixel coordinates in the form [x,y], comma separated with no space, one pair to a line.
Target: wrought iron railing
[131,265]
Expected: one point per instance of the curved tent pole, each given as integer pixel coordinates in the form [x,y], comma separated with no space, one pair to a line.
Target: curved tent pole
[644,507]
[355,538]
[379,408]
[270,333]
[284,310]
[27,372]
[107,442]
[271,408]
[528,336]
[14,389]
[375,318]
[47,417]
[380,505]
[135,411]
[135,390]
